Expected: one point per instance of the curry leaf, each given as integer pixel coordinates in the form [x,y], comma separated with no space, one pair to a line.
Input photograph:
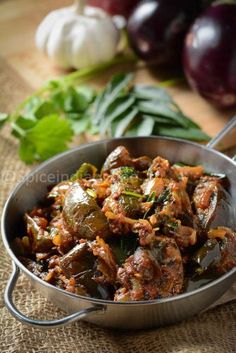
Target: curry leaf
[151,93]
[124,122]
[166,110]
[146,127]
[187,134]
[114,89]
[120,106]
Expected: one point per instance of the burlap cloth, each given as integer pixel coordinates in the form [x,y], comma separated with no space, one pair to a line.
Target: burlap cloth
[211,332]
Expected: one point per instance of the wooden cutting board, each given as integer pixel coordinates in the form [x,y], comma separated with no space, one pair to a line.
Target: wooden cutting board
[24,69]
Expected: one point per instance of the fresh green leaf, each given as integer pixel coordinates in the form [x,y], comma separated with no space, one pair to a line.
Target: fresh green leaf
[151,93]
[124,123]
[43,109]
[3,119]
[187,134]
[160,119]
[93,130]
[27,151]
[49,137]
[81,125]
[74,116]
[74,101]
[113,90]
[32,104]
[58,99]
[166,110]
[190,123]
[88,92]
[22,124]
[146,126]
[119,106]
[133,129]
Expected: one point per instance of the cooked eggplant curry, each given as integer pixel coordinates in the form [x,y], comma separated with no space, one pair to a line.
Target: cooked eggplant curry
[139,229]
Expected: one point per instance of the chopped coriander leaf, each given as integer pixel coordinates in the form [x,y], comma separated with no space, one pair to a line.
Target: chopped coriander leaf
[127,172]
[163,197]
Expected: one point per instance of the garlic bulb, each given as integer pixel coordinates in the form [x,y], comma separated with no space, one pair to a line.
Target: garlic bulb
[78,36]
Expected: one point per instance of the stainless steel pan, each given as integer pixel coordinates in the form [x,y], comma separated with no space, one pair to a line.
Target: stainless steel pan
[131,315]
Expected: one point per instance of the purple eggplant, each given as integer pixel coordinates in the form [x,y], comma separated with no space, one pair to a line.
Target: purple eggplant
[209,57]
[156,28]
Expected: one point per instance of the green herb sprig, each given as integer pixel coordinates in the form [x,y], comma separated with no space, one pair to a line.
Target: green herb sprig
[125,109]
[46,122]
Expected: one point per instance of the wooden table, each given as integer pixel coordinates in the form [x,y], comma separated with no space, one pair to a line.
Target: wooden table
[23,68]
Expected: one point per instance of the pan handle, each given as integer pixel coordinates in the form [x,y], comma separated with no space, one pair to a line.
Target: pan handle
[41,323]
[219,138]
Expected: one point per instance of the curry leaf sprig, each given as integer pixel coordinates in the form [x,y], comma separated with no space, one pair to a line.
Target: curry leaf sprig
[47,121]
[125,109]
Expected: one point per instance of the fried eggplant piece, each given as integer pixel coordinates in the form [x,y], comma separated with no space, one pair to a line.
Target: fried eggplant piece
[125,192]
[117,158]
[58,194]
[151,273]
[77,260]
[121,157]
[82,216]
[218,254]
[142,163]
[178,202]
[145,232]
[38,235]
[154,185]
[227,239]
[106,261]
[193,173]
[207,256]
[92,266]
[96,256]
[184,236]
[207,197]
[160,167]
